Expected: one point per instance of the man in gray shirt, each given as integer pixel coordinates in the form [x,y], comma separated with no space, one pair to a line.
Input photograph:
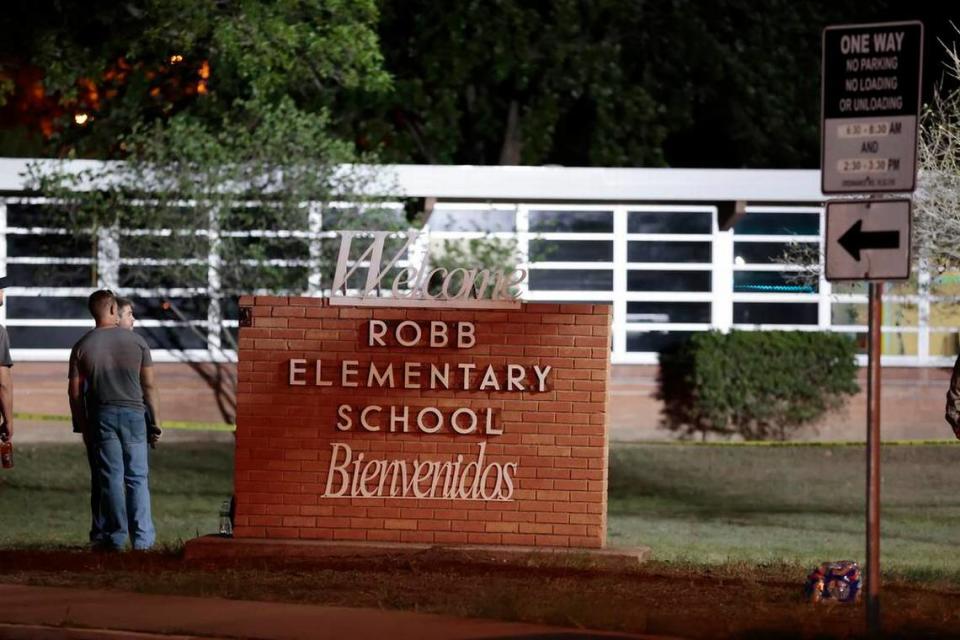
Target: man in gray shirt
[111,377]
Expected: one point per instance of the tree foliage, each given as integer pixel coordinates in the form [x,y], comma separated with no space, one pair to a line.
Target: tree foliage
[600,83]
[221,113]
[128,64]
[936,228]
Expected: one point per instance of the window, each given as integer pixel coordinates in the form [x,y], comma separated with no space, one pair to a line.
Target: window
[778,224]
[49,245]
[571,221]
[571,251]
[670,222]
[668,280]
[669,252]
[46,337]
[656,340]
[768,252]
[571,279]
[47,307]
[173,337]
[770,282]
[52,275]
[774,313]
[472,220]
[668,312]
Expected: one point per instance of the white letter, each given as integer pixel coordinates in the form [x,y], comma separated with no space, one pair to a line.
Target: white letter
[411,377]
[465,285]
[501,290]
[490,379]
[515,379]
[424,427]
[378,328]
[411,276]
[466,335]
[542,375]
[344,411]
[296,370]
[466,367]
[349,368]
[484,477]
[320,382]
[473,421]
[419,475]
[366,477]
[363,417]
[425,283]
[481,287]
[386,379]
[490,431]
[402,420]
[399,333]
[508,478]
[344,477]
[438,334]
[374,253]
[435,376]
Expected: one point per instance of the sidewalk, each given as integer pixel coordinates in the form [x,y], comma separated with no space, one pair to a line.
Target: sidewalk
[58,613]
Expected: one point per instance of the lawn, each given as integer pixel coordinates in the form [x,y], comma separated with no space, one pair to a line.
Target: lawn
[793,504]
[690,503]
[44,499]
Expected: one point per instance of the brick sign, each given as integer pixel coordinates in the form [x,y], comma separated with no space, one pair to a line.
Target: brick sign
[441,426]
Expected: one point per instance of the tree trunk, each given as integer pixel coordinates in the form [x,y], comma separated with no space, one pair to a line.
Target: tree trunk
[512,142]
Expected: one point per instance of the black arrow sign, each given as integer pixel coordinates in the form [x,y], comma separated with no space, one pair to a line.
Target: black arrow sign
[855,240]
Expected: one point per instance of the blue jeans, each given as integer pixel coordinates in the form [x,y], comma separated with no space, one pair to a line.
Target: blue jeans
[96,518]
[124,493]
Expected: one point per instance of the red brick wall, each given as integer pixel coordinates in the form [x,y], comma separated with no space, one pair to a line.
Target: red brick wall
[557,438]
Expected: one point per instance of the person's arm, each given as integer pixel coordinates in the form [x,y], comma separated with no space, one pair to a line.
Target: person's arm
[147,383]
[6,403]
[78,411]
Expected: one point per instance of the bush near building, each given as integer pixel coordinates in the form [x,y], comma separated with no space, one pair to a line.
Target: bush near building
[759,385]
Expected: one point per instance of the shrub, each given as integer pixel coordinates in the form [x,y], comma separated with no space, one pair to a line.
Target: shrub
[761,385]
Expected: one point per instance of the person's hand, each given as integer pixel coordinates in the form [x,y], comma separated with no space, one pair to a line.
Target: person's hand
[6,431]
[154,433]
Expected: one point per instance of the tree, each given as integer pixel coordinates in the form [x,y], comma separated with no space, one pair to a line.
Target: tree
[936,221]
[228,176]
[600,83]
[122,65]
[220,105]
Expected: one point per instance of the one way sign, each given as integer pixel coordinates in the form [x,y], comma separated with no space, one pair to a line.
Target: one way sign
[868,240]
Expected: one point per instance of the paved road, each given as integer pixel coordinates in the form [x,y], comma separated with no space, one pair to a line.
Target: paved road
[82,614]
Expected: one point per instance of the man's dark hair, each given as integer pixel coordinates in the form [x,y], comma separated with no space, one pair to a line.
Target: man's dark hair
[123,302]
[99,302]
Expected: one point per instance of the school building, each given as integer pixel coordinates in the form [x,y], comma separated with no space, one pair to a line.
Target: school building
[675,251]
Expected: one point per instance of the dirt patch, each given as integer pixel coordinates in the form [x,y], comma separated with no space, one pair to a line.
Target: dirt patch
[731,602]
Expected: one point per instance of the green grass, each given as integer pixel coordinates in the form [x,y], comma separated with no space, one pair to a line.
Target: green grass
[44,499]
[771,505]
[167,424]
[731,505]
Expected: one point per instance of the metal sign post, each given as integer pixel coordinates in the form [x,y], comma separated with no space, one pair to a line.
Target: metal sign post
[873,459]
[870,109]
